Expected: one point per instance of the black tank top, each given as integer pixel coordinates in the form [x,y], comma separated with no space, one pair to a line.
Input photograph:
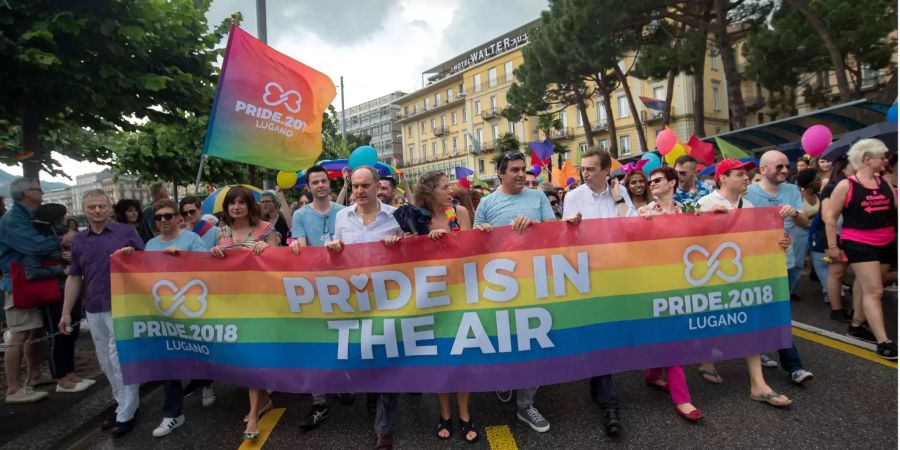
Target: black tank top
[869,209]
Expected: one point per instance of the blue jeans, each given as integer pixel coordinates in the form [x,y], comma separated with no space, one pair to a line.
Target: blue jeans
[793,274]
[790,359]
[821,268]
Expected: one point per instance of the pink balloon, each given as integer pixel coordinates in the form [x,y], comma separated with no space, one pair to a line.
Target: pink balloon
[816,140]
[665,141]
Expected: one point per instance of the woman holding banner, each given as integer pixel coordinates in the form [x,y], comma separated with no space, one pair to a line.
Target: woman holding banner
[663,182]
[433,194]
[242,227]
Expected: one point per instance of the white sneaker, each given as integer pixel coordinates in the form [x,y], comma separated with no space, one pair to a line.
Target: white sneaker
[79,386]
[167,425]
[209,396]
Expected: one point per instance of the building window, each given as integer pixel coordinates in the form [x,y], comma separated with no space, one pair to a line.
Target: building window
[476,81]
[563,118]
[480,166]
[426,104]
[478,107]
[601,114]
[579,122]
[495,132]
[462,89]
[466,140]
[409,131]
[713,61]
[624,145]
[453,118]
[455,142]
[416,108]
[424,152]
[464,115]
[479,135]
[422,127]
[412,150]
[492,77]
[493,102]
[443,147]
[715,97]
[659,93]
[622,103]
[508,70]
[512,127]
[432,124]
[443,121]
[406,110]
[434,150]
[582,147]
[449,95]
[604,144]
[437,99]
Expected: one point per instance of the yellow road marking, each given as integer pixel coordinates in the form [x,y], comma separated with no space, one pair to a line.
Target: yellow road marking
[266,425]
[844,347]
[500,438]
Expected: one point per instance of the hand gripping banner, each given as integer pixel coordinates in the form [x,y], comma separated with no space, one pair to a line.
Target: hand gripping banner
[473,311]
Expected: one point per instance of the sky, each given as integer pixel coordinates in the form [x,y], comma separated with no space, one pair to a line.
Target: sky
[378,46]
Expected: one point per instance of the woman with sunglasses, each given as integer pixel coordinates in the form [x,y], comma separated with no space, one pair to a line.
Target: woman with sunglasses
[868,206]
[663,182]
[433,195]
[242,228]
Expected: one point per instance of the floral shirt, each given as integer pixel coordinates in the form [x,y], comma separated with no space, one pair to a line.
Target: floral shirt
[694,195]
[260,232]
[654,209]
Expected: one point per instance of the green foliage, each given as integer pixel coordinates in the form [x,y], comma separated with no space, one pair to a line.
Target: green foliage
[508,142]
[333,146]
[102,66]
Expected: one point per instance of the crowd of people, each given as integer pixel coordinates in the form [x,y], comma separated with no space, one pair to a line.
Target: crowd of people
[838,216]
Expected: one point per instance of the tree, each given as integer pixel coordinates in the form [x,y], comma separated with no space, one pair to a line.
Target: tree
[97,66]
[840,71]
[508,142]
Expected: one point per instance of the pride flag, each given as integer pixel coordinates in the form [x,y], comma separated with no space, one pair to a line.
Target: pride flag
[469,312]
[268,107]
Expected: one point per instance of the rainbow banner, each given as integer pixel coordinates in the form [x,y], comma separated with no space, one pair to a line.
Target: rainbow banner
[268,107]
[474,311]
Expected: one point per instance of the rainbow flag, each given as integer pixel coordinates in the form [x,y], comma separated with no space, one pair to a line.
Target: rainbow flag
[268,107]
[470,312]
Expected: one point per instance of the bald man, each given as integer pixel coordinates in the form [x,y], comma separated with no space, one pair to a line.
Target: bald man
[773,190]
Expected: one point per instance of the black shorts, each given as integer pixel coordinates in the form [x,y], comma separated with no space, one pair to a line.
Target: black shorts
[858,252]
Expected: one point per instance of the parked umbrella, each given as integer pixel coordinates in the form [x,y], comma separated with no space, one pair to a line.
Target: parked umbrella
[213,203]
[885,131]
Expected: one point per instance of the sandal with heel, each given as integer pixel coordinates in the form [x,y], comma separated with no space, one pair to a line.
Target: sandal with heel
[466,428]
[444,425]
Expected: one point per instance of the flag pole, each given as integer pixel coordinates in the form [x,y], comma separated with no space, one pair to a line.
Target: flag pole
[199,173]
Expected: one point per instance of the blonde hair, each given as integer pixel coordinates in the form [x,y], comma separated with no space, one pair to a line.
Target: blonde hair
[425,187]
[865,148]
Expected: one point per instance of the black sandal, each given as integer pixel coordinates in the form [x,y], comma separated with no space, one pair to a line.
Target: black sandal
[466,428]
[444,424]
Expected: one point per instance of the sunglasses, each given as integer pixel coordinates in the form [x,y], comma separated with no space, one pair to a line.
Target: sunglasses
[189,212]
[780,167]
[531,183]
[682,173]
[554,203]
[166,216]
[512,156]
[657,180]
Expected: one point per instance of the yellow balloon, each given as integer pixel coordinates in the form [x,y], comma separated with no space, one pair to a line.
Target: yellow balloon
[677,151]
[286,180]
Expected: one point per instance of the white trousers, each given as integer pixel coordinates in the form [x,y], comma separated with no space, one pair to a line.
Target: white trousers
[126,395]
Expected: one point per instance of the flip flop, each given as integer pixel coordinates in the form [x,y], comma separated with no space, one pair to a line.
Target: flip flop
[711,376]
[770,399]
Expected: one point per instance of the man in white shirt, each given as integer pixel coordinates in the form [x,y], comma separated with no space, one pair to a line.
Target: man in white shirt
[369,220]
[731,175]
[599,197]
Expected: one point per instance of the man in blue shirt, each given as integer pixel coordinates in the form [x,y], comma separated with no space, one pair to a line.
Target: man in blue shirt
[171,240]
[191,210]
[689,190]
[313,225]
[512,204]
[19,238]
[773,190]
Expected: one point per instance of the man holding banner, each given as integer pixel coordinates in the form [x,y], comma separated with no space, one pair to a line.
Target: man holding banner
[369,220]
[512,204]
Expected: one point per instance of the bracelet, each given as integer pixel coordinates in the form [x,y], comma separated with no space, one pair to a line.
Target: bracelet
[832,246]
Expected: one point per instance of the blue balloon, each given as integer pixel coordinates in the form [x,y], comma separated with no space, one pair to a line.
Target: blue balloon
[892,114]
[363,156]
[653,162]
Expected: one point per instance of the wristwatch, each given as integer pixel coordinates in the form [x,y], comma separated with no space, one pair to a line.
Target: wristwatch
[621,200]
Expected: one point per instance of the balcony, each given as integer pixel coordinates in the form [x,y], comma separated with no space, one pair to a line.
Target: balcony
[488,145]
[651,116]
[440,131]
[490,114]
[601,125]
[563,133]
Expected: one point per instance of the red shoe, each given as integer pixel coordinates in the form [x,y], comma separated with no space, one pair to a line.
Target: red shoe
[659,387]
[693,416]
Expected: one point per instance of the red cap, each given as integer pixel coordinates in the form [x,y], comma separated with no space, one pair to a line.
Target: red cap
[730,164]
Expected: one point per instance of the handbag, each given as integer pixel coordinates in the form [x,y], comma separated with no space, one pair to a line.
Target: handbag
[32,293]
